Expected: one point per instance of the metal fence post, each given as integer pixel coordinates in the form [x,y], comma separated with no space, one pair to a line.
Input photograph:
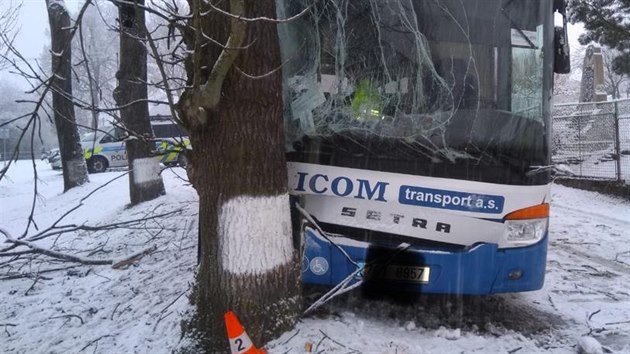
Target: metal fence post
[579,143]
[617,142]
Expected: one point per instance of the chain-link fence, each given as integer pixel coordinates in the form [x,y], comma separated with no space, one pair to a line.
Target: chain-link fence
[593,139]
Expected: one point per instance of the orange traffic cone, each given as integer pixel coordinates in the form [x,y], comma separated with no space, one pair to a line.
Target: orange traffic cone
[239,340]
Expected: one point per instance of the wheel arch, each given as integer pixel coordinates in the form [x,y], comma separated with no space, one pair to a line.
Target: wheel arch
[92,158]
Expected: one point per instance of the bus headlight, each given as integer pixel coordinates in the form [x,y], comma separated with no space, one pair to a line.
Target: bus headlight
[519,233]
[526,226]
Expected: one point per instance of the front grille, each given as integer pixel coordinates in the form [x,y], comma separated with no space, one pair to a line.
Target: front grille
[384,239]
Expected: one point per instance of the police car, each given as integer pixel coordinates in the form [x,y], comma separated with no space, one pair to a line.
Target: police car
[105,148]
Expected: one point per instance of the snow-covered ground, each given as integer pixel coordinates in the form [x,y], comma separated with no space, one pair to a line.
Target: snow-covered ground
[59,307]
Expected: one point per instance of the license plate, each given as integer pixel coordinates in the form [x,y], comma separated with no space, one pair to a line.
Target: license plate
[398,272]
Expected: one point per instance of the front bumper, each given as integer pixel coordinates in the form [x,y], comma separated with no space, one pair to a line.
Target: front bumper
[482,269]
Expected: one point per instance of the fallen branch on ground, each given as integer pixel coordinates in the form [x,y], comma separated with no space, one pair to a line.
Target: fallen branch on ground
[134,257]
[33,275]
[74,258]
[54,254]
[69,316]
[94,341]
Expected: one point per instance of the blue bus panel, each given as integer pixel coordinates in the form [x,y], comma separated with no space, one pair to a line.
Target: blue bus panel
[482,269]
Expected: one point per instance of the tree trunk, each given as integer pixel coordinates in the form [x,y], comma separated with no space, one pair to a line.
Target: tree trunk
[95,102]
[248,262]
[95,79]
[72,160]
[145,181]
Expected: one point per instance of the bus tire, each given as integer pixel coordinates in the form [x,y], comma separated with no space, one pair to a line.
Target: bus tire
[97,164]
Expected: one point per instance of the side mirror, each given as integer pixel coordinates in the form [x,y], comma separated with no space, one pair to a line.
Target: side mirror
[561,55]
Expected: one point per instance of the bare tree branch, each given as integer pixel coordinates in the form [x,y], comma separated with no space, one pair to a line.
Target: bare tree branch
[211,90]
[54,254]
[134,258]
[256,19]
[8,30]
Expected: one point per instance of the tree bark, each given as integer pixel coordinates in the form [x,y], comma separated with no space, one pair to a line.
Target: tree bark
[145,181]
[95,77]
[248,262]
[73,163]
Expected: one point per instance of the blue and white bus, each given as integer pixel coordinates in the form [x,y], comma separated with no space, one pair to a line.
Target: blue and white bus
[417,137]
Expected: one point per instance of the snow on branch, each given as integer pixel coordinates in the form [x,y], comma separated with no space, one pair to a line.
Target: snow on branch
[36,249]
[54,254]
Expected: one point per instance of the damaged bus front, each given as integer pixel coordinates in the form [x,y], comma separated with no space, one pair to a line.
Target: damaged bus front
[417,138]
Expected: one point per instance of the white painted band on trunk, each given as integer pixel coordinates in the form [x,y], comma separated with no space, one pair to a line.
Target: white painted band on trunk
[146,170]
[255,234]
[77,170]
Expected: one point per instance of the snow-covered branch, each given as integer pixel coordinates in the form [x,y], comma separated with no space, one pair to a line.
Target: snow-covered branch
[54,254]
[255,19]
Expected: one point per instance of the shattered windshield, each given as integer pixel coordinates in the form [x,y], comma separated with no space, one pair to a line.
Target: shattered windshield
[395,82]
